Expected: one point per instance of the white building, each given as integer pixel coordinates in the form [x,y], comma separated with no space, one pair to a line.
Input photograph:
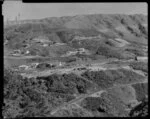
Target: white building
[27,52]
[23,67]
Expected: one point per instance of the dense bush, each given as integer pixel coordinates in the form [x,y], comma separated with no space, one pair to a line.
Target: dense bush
[99,77]
[109,52]
[137,52]
[107,104]
[24,97]
[139,66]
[140,110]
[66,83]
[141,90]
[72,111]
[107,78]
[130,77]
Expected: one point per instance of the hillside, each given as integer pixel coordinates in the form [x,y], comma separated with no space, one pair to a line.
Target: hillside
[97,30]
[76,66]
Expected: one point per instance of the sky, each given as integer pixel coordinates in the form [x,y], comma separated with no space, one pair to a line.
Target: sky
[42,10]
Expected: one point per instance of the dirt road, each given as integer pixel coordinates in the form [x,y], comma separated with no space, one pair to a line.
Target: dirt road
[79,98]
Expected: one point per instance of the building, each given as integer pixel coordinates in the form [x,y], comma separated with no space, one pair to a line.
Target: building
[27,52]
[34,65]
[23,67]
[59,44]
[41,39]
[61,64]
[45,45]
[16,53]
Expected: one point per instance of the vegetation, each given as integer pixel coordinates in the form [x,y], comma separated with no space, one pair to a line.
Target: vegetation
[72,111]
[29,97]
[112,52]
[106,79]
[140,110]
[137,52]
[107,103]
[66,83]
[37,97]
[141,90]
[139,66]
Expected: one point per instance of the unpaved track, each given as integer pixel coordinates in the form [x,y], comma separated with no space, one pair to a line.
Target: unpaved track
[94,67]
[79,98]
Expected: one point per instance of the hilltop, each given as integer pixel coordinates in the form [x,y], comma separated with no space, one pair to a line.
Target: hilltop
[100,28]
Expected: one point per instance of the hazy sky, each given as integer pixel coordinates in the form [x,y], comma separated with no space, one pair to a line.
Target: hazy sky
[42,10]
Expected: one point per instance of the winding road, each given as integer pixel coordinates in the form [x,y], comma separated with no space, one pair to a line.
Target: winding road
[79,98]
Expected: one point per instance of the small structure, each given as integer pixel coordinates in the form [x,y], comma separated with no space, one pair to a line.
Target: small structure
[41,39]
[44,66]
[59,44]
[45,45]
[6,42]
[16,53]
[34,65]
[81,50]
[61,64]
[23,67]
[27,52]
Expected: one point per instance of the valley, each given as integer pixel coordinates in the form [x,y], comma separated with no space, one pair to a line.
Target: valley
[82,66]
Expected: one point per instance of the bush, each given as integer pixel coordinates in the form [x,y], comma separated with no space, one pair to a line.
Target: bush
[106,79]
[107,104]
[66,83]
[109,52]
[136,51]
[140,110]
[99,77]
[29,97]
[141,90]
[139,66]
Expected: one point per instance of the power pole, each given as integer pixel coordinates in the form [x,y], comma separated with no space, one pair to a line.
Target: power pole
[7,21]
[16,19]
[19,16]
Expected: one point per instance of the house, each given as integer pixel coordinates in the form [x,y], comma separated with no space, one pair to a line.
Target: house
[70,53]
[41,39]
[6,42]
[45,45]
[27,52]
[16,53]
[45,66]
[82,50]
[61,64]
[59,44]
[34,65]
[23,67]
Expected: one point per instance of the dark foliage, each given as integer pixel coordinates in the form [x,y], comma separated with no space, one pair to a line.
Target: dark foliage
[140,110]
[139,66]
[66,83]
[24,97]
[110,52]
[106,79]
[141,90]
[106,104]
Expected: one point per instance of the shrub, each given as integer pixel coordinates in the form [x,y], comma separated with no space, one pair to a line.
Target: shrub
[107,104]
[141,90]
[106,79]
[140,110]
[109,52]
[139,66]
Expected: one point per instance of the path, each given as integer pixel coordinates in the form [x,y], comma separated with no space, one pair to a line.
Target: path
[91,94]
